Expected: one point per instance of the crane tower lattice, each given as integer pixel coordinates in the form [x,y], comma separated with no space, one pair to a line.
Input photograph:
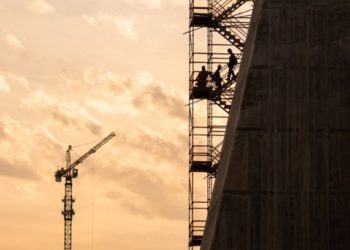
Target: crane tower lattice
[69,173]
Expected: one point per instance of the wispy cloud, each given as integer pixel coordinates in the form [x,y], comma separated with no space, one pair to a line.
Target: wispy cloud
[154,147]
[155,96]
[4,87]
[146,194]
[66,114]
[90,19]
[110,92]
[41,6]
[179,2]
[104,107]
[19,79]
[124,25]
[19,147]
[13,42]
[17,169]
[154,4]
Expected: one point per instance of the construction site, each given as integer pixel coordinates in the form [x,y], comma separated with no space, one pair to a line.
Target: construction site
[268,131]
[252,152]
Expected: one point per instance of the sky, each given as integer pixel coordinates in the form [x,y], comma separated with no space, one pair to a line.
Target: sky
[71,72]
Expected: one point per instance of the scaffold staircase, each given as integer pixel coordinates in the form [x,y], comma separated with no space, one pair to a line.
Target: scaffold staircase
[222,24]
[226,8]
[232,38]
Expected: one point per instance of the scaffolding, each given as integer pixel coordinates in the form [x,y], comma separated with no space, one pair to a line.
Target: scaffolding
[214,27]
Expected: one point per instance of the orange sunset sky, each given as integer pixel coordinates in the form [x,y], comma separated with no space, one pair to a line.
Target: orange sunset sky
[71,72]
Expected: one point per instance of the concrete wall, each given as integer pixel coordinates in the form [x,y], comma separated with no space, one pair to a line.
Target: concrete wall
[284,175]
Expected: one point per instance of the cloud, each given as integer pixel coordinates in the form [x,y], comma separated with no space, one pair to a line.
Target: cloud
[9,128]
[155,96]
[133,96]
[147,194]
[158,147]
[41,6]
[103,106]
[66,114]
[5,134]
[108,92]
[50,145]
[154,4]
[21,148]
[179,2]
[19,79]
[17,169]
[13,42]
[124,25]
[150,148]
[4,87]
[111,80]
[89,19]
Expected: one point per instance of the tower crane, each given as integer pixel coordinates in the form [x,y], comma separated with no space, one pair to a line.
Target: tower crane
[69,173]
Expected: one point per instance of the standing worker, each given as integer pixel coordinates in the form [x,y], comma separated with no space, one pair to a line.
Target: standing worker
[231,64]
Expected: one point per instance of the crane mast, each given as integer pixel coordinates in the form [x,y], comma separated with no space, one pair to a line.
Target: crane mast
[69,173]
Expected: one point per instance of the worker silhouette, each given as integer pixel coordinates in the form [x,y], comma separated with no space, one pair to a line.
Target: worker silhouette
[202,78]
[231,64]
[216,77]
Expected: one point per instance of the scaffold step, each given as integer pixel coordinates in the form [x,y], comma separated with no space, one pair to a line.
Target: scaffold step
[201,166]
[230,37]
[200,93]
[223,104]
[201,20]
[195,240]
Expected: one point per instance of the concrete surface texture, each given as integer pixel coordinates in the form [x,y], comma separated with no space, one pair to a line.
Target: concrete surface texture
[284,175]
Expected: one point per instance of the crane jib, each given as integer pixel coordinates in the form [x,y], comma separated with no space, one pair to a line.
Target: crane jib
[63,172]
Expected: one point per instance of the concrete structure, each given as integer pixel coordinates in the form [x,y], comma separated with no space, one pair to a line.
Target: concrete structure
[284,174]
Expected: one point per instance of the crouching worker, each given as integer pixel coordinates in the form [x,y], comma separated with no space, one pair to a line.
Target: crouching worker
[202,78]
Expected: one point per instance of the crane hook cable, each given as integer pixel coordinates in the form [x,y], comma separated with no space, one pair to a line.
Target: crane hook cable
[84,144]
